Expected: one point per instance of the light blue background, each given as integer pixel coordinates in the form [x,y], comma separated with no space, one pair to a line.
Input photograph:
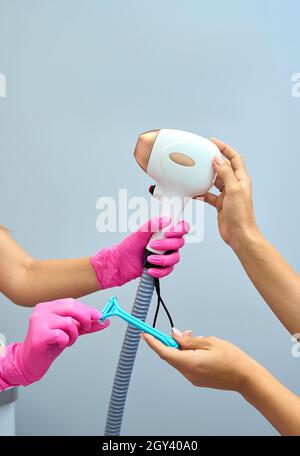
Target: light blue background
[83,79]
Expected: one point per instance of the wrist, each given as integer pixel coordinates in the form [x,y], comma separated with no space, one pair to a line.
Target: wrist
[245,238]
[10,371]
[253,376]
[106,267]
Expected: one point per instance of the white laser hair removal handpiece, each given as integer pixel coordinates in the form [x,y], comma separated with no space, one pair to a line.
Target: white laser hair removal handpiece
[181,164]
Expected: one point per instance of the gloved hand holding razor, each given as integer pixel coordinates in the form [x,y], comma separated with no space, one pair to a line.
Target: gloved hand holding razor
[53,327]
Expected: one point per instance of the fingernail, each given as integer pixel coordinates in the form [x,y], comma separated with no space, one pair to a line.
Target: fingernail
[153,259]
[177,332]
[219,160]
[165,219]
[102,320]
[188,332]
[96,314]
[155,244]
[186,226]
[154,272]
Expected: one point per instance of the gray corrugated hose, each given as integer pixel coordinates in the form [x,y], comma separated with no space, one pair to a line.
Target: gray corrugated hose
[127,356]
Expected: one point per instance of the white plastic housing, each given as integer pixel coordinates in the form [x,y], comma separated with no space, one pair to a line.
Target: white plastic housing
[177,179]
[183,181]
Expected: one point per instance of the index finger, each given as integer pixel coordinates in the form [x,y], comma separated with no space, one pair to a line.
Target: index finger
[169,354]
[234,157]
[178,230]
[77,310]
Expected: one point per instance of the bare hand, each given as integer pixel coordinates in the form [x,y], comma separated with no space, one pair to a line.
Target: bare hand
[206,361]
[234,203]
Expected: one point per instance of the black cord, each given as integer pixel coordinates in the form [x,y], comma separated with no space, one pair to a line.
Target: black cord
[157,286]
[160,301]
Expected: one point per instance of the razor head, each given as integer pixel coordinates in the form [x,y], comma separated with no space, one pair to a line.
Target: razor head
[144,148]
[111,308]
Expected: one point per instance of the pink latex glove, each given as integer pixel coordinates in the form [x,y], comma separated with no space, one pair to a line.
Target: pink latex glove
[53,327]
[124,262]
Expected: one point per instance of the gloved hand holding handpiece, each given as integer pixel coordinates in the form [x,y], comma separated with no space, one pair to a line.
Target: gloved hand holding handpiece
[121,263]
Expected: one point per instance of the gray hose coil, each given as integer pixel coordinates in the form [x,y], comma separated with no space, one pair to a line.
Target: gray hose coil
[127,356]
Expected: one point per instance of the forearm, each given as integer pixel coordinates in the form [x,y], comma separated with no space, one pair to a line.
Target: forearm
[276,281]
[27,281]
[273,400]
[47,280]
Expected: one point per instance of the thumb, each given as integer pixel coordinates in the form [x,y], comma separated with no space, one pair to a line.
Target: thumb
[224,171]
[96,326]
[151,226]
[188,342]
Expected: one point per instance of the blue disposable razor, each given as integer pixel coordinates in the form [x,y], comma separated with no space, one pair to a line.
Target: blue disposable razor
[113,308]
